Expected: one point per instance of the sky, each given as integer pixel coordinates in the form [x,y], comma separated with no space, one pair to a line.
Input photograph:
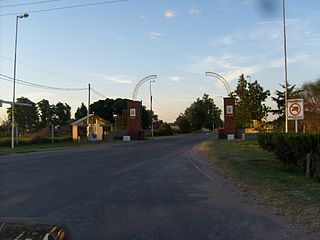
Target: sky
[116,44]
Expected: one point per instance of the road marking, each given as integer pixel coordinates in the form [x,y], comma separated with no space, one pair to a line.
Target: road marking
[200,170]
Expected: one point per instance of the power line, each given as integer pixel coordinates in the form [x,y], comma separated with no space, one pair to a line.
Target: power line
[97,93]
[68,7]
[30,84]
[41,69]
[31,3]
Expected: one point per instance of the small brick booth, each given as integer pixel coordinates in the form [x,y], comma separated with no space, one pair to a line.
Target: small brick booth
[134,127]
[229,117]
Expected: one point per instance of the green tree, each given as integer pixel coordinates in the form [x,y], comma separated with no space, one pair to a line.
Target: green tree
[109,107]
[164,130]
[81,112]
[280,101]
[203,113]
[250,98]
[26,117]
[62,114]
[46,113]
[183,123]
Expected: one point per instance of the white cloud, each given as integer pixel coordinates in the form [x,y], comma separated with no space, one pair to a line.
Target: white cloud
[170,13]
[113,78]
[194,11]
[176,78]
[271,32]
[155,35]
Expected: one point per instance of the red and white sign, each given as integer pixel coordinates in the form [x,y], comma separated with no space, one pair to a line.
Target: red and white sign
[295,109]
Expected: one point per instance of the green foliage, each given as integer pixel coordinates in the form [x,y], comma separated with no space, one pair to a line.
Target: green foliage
[183,123]
[35,139]
[62,114]
[164,130]
[46,113]
[202,114]
[249,102]
[292,149]
[25,117]
[81,112]
[109,107]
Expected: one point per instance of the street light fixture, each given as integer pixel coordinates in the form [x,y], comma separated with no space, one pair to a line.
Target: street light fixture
[23,15]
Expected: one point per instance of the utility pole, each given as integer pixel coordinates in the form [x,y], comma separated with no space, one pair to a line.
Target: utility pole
[285,65]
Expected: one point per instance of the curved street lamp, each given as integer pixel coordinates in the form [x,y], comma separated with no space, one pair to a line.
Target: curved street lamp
[136,89]
[222,79]
[23,15]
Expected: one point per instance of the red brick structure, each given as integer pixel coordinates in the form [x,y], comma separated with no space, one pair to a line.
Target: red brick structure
[134,128]
[229,116]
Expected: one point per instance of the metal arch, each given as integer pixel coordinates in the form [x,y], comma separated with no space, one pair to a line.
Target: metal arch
[222,79]
[136,89]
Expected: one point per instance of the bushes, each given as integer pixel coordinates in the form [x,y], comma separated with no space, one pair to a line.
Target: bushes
[292,149]
[35,139]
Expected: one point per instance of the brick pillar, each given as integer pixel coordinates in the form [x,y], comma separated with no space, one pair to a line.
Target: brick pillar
[134,128]
[229,116]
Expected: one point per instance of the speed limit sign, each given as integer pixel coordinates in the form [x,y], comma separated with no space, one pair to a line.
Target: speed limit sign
[295,109]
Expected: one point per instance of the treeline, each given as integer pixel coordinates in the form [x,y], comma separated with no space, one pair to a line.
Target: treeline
[30,119]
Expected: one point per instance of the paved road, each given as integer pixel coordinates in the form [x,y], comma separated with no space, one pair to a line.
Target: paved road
[139,190]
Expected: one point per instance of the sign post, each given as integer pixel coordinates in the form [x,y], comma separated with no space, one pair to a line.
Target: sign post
[295,111]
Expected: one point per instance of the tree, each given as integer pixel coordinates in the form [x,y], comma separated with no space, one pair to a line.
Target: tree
[250,98]
[46,113]
[108,108]
[62,114]
[310,92]
[25,117]
[81,112]
[183,123]
[280,101]
[203,113]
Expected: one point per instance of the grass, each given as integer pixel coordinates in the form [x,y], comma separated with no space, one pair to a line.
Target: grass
[260,173]
[51,146]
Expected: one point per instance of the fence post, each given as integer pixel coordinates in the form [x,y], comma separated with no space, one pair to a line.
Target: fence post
[308,164]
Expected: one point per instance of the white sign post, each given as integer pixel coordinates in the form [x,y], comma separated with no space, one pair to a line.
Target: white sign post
[295,111]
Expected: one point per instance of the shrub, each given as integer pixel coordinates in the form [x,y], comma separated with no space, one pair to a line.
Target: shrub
[292,149]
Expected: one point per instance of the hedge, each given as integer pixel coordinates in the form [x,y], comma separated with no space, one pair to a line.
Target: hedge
[292,149]
[36,139]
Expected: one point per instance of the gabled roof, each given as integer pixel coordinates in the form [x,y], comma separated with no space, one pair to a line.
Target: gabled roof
[82,119]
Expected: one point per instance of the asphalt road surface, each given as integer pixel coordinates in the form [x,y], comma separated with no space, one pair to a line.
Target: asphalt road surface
[159,189]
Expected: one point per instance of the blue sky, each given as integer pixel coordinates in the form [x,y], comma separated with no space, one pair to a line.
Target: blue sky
[113,46]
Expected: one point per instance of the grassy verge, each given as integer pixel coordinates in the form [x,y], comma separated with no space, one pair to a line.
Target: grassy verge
[51,146]
[289,191]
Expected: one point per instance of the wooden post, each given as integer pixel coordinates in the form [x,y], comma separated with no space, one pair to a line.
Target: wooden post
[308,164]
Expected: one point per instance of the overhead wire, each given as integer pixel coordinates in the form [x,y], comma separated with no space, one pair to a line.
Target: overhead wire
[26,4]
[30,84]
[97,93]
[42,70]
[68,7]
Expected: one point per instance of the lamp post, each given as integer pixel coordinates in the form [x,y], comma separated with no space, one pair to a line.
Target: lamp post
[151,113]
[285,65]
[23,15]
